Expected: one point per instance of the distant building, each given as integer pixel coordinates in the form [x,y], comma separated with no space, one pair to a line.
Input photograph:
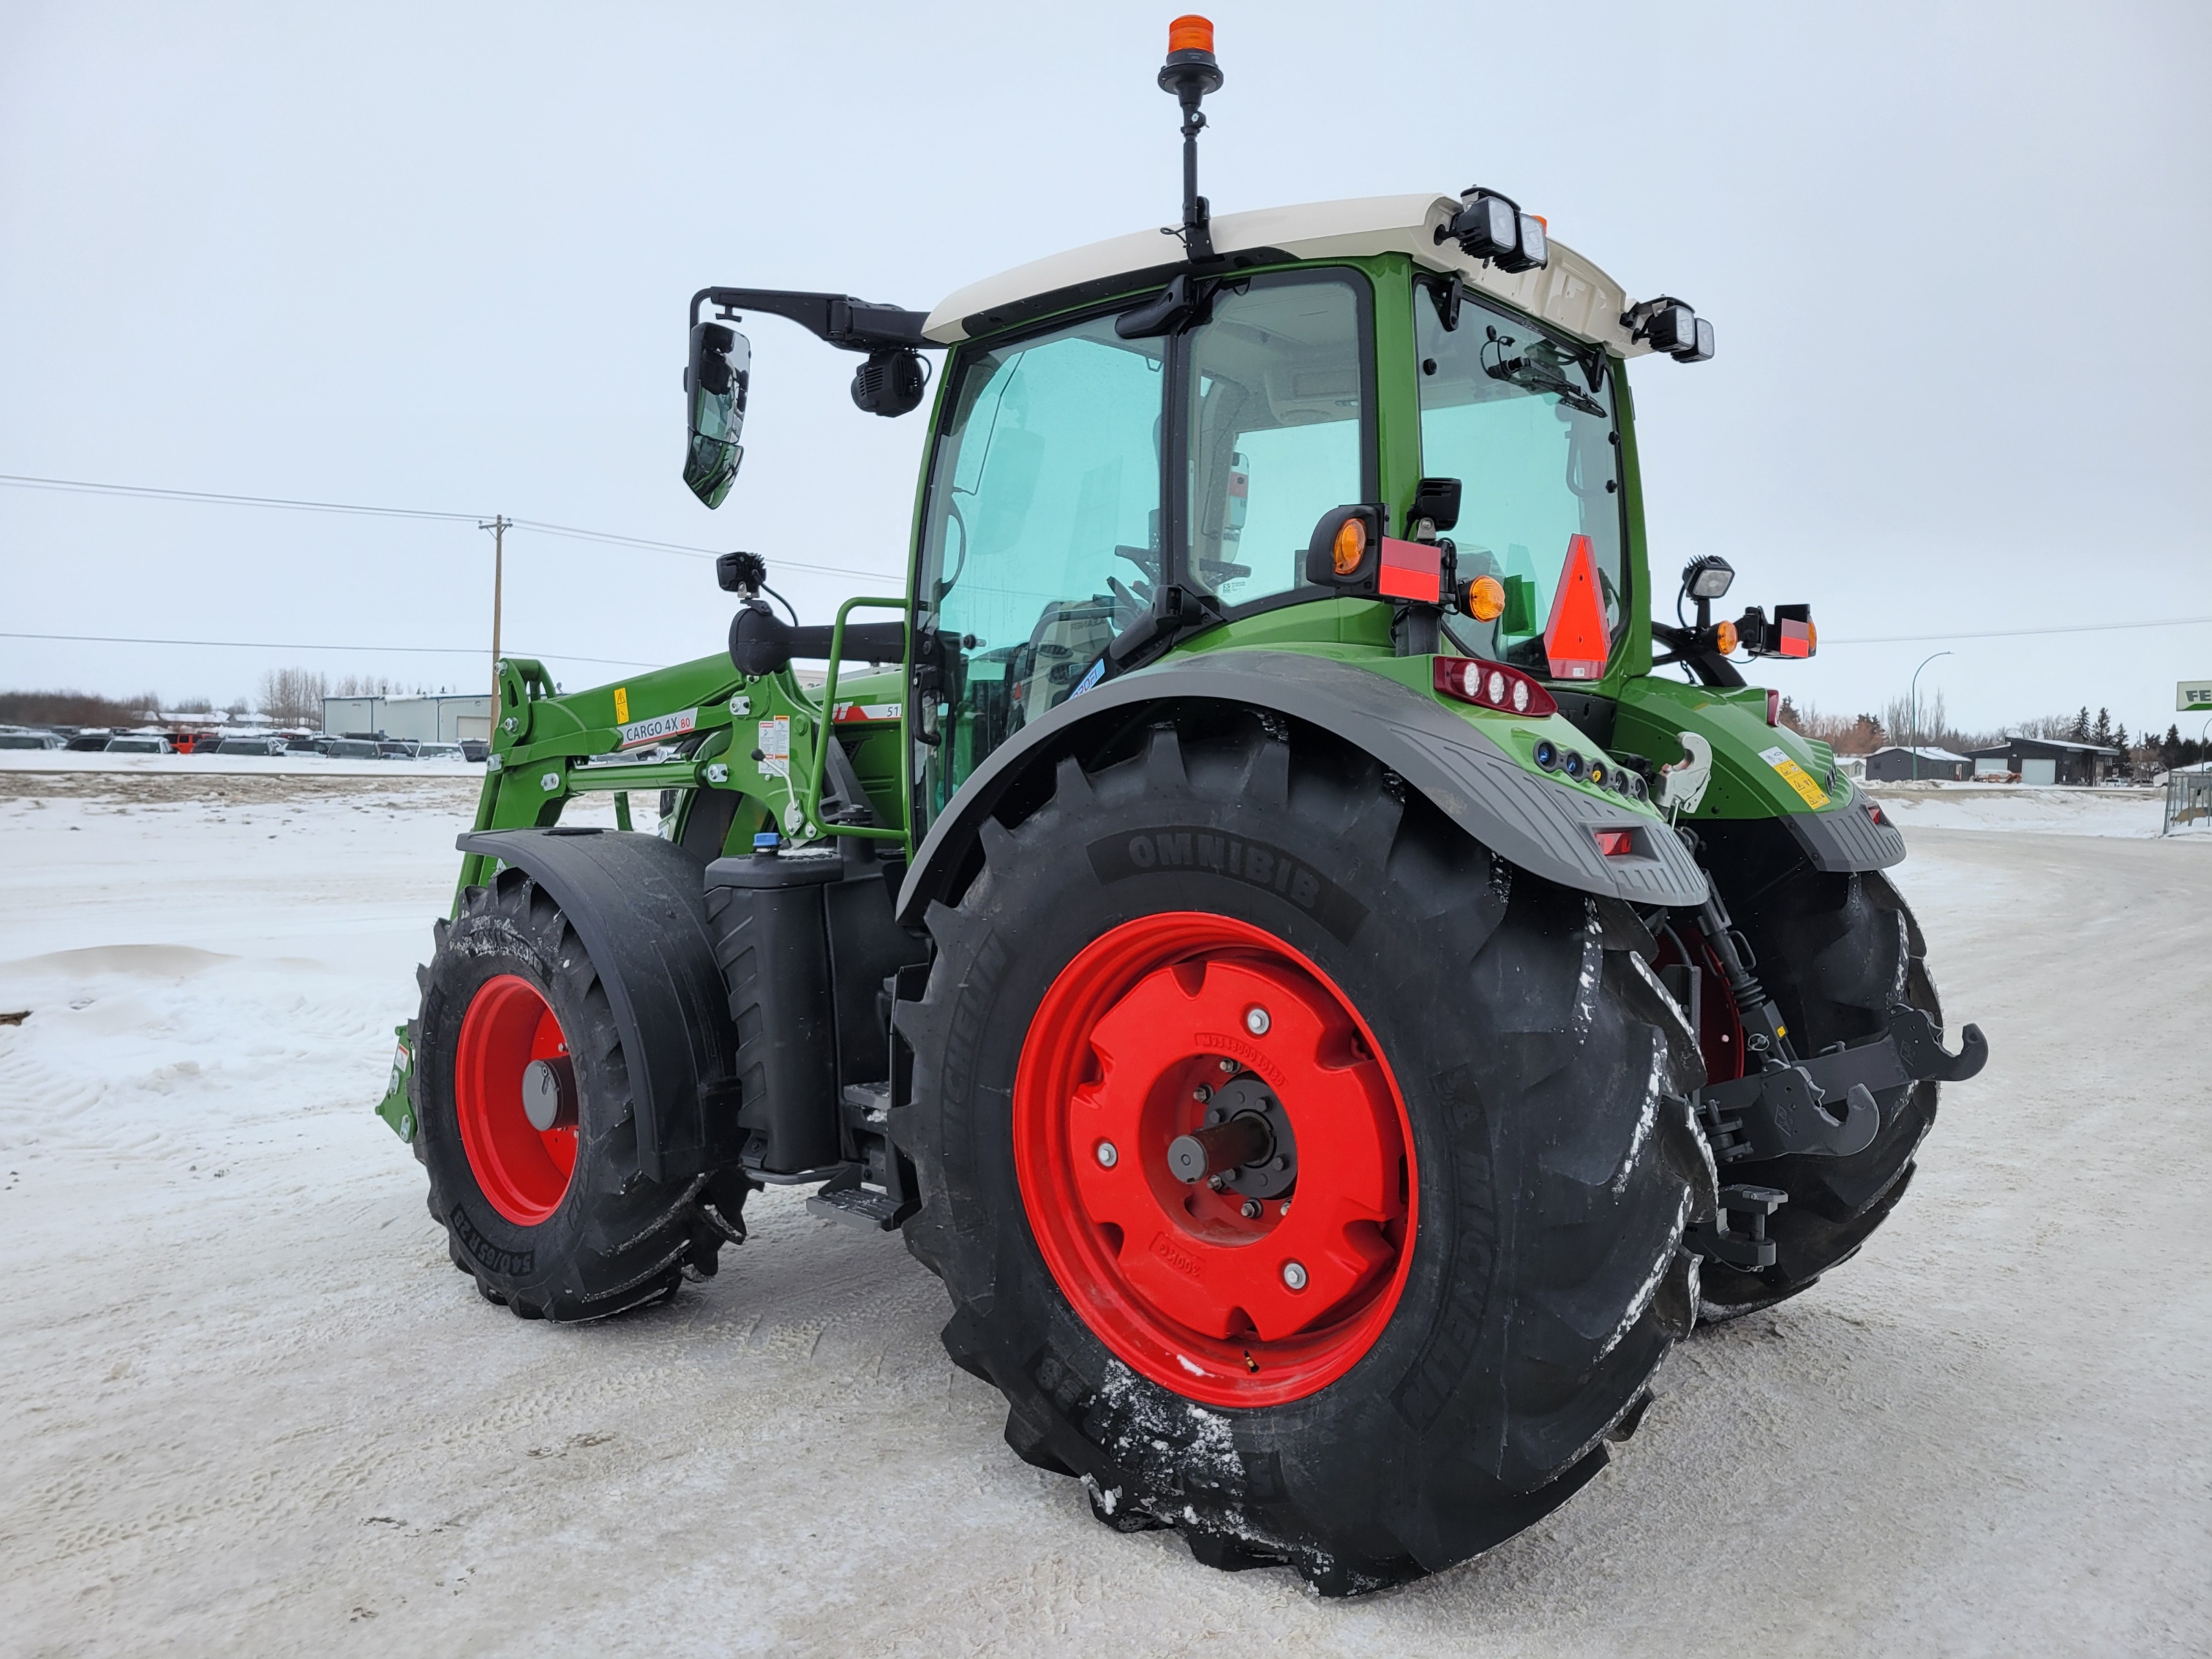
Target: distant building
[2046,760]
[425,719]
[1896,764]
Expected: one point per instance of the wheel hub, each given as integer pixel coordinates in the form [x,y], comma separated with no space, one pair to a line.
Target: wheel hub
[1244,1239]
[514,1095]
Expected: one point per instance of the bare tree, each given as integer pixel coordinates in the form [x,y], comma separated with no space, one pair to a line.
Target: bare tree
[293,696]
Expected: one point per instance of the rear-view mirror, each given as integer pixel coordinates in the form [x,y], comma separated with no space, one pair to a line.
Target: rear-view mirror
[715,381]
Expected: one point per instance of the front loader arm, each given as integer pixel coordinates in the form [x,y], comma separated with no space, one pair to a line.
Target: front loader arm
[695,728]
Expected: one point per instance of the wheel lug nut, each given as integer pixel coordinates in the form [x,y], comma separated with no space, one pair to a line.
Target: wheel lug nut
[1294,1275]
[1201,1094]
[1228,1066]
[1257,1021]
[1106,1154]
[1250,1209]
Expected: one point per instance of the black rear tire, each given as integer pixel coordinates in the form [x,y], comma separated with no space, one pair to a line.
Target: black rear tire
[1557,1161]
[615,1240]
[1836,952]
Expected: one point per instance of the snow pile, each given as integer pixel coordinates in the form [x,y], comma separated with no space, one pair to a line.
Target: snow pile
[2131,813]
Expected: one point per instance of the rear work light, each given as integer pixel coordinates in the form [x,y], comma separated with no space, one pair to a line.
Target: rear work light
[1493,686]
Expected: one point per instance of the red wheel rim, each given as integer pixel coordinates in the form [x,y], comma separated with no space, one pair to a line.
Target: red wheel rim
[523,1170]
[1182,1285]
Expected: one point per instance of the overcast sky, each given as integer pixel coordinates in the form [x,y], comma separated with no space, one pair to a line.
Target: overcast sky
[438,257]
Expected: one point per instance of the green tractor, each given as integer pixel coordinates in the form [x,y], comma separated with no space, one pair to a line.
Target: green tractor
[1251,913]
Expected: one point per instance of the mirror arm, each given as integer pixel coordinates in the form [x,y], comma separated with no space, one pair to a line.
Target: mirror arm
[839,319]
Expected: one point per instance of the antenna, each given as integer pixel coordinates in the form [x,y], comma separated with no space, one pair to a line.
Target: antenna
[1190,73]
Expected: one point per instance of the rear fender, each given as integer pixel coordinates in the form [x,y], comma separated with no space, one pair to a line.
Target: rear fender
[1531,822]
[639,905]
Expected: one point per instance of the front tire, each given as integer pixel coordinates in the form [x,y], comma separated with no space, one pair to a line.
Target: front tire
[557,1222]
[1486,1098]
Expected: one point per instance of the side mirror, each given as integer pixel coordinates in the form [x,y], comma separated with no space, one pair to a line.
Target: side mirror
[716,382]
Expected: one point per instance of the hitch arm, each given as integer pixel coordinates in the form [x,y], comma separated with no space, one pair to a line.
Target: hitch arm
[1794,1106]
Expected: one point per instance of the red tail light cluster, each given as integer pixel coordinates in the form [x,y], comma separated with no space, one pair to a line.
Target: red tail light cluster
[1493,686]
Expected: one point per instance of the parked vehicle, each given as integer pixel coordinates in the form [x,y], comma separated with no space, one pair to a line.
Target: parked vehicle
[1264,934]
[29,741]
[439,751]
[263,747]
[138,746]
[351,748]
[398,749]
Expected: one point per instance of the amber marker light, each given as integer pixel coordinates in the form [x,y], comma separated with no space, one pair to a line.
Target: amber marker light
[1191,34]
[1724,637]
[1351,536]
[1486,599]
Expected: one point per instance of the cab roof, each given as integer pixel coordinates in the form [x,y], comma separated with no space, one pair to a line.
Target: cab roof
[1569,293]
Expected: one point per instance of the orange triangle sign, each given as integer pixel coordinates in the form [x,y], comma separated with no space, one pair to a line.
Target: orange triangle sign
[1576,639]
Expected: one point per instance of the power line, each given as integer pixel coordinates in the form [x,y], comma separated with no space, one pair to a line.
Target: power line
[214,498]
[296,645]
[2022,633]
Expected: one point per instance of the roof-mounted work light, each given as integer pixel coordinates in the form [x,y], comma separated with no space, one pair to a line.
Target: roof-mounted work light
[1672,327]
[1491,227]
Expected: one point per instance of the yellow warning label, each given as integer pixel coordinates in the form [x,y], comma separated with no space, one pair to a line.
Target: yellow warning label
[621,705]
[1796,777]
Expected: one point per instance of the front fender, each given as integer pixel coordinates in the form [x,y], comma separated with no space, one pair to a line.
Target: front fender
[1537,824]
[639,904]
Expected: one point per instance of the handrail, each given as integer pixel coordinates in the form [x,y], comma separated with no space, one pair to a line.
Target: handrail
[811,803]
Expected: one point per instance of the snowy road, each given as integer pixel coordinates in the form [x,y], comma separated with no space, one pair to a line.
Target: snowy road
[246,1405]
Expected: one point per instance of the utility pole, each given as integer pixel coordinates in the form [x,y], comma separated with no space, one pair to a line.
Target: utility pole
[498,525]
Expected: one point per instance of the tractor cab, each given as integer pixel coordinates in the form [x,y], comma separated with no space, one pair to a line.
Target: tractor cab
[1094,501]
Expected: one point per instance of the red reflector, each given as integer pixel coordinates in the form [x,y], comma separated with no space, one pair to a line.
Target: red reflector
[1576,640]
[1797,638]
[1773,706]
[1411,570]
[1875,812]
[1615,843]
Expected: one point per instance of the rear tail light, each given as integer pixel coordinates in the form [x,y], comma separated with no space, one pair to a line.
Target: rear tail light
[1773,706]
[1493,686]
[1615,843]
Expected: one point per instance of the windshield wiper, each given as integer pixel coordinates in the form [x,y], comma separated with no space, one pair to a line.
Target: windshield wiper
[1532,375]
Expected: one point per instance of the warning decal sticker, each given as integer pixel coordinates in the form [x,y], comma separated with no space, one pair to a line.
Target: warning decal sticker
[775,747]
[1796,777]
[621,704]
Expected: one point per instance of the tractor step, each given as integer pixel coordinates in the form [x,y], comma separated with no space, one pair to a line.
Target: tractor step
[863,1206]
[850,1195]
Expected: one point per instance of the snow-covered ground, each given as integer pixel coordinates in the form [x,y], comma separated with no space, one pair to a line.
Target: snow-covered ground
[42,761]
[246,1405]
